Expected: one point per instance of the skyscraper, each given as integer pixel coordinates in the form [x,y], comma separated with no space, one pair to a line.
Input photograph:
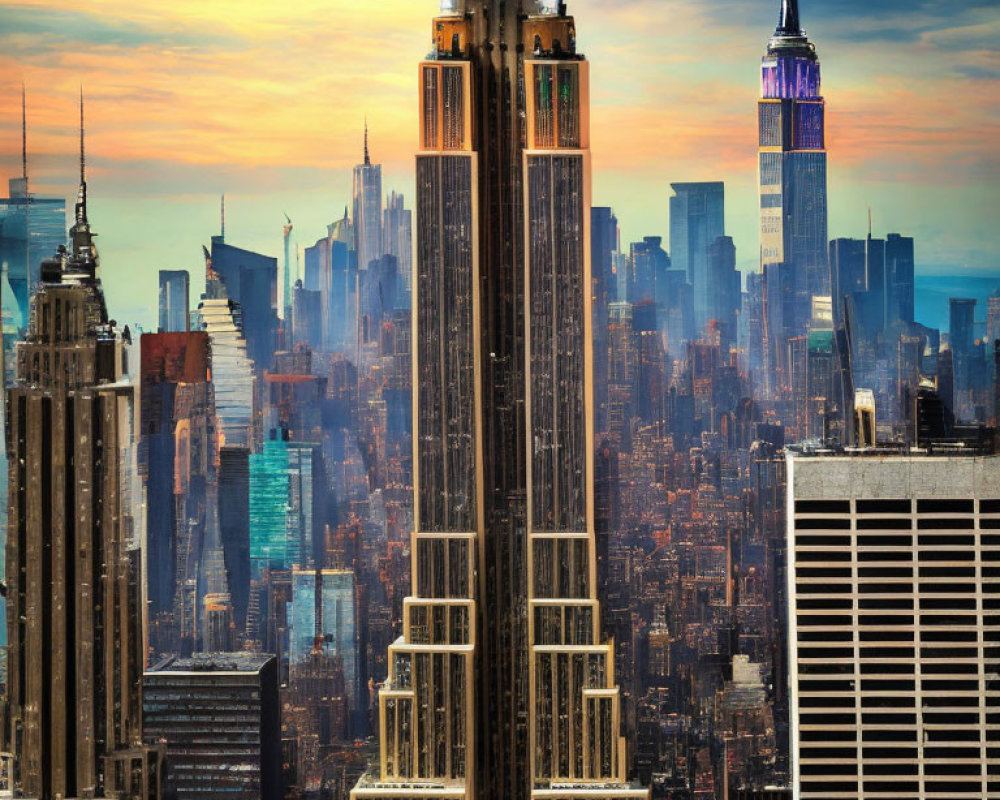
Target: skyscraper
[174,300]
[397,235]
[697,219]
[178,466]
[499,687]
[899,280]
[367,209]
[892,630]
[73,575]
[792,172]
[250,279]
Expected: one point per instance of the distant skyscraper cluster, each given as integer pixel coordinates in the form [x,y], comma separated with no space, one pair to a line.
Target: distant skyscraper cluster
[476,501]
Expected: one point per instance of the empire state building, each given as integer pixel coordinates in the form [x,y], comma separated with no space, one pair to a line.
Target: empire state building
[793,188]
[500,688]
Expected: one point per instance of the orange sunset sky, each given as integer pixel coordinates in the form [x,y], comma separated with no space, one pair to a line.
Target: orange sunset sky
[265,101]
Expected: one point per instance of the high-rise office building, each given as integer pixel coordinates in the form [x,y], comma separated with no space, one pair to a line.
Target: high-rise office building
[697,219]
[962,338]
[178,466]
[250,279]
[234,526]
[367,210]
[893,630]
[722,302]
[603,247]
[219,715]
[793,183]
[233,375]
[899,279]
[175,301]
[286,504]
[500,687]
[74,608]
[397,235]
[848,274]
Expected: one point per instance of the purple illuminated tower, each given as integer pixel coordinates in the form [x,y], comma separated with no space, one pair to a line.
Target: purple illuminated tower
[793,206]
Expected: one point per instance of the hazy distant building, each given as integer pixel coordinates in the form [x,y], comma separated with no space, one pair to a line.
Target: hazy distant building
[722,303]
[603,247]
[697,219]
[899,279]
[487,689]
[307,317]
[962,338]
[891,629]
[32,228]
[73,573]
[367,215]
[220,717]
[397,236]
[174,300]
[848,273]
[323,615]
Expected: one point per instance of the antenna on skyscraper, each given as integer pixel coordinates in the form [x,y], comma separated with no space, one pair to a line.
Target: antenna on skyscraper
[24,138]
[81,203]
[869,223]
[368,159]
[222,233]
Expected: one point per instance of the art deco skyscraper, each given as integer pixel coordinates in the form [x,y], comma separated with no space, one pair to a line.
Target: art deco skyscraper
[74,603]
[499,688]
[792,166]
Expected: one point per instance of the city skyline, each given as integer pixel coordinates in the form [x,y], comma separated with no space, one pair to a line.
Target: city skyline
[921,171]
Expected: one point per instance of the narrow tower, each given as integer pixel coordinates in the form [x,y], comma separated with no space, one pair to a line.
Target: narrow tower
[500,688]
[793,203]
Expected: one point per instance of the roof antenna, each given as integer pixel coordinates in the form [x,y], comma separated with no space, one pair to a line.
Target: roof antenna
[81,204]
[24,138]
[869,223]
[367,157]
[223,210]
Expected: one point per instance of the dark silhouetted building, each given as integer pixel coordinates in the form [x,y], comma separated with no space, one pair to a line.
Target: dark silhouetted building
[220,718]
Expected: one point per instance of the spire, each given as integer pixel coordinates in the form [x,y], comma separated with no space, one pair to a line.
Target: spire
[84,253]
[81,202]
[368,159]
[24,138]
[788,24]
[222,231]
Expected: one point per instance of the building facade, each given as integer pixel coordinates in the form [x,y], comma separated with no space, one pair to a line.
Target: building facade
[175,300]
[697,219]
[219,716]
[500,686]
[892,626]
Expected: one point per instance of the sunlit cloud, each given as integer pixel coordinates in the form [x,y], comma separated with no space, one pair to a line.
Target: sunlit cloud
[267,101]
